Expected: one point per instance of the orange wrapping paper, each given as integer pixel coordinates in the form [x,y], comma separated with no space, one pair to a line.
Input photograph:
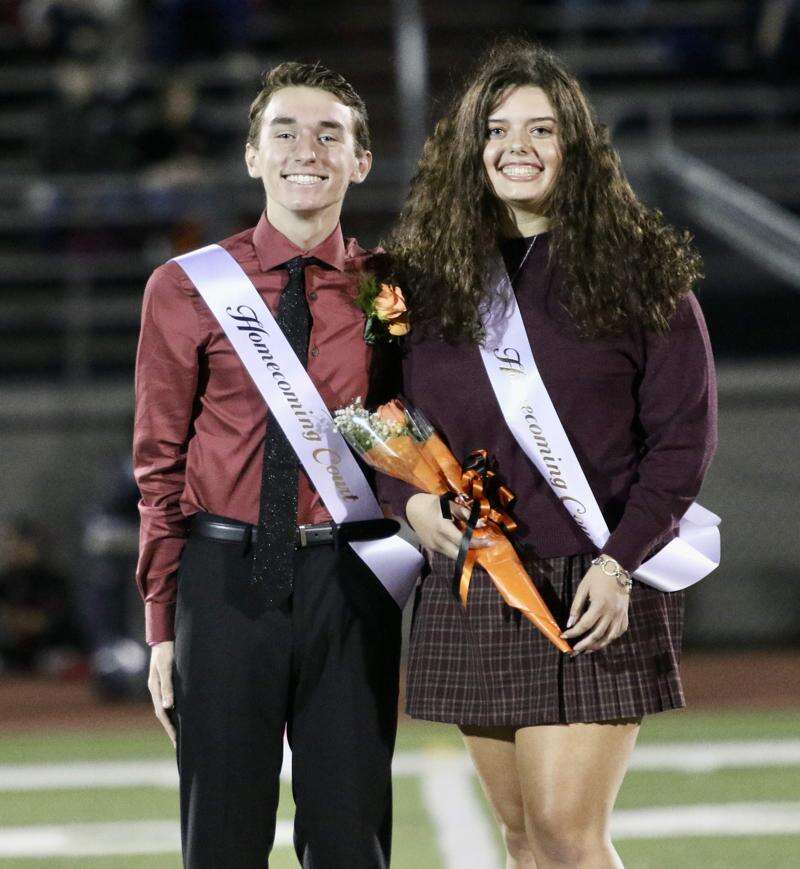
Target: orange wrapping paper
[440,473]
[511,579]
[400,457]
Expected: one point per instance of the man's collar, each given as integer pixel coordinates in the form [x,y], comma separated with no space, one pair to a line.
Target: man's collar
[273,248]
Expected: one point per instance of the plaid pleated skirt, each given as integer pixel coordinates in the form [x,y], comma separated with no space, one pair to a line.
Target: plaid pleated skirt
[488,666]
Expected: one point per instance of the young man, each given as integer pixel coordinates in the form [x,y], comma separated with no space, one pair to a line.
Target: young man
[255,644]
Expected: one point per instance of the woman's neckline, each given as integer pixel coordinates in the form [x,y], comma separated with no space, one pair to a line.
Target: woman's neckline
[521,240]
[535,224]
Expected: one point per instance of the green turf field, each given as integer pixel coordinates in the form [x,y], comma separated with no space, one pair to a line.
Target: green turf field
[686,773]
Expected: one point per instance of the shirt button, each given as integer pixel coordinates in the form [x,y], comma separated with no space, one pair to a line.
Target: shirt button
[312,296]
[315,350]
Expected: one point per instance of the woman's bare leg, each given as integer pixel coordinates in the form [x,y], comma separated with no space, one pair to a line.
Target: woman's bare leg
[569,776]
[494,755]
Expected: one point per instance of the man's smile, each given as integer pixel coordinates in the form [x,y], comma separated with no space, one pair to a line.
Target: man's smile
[304,179]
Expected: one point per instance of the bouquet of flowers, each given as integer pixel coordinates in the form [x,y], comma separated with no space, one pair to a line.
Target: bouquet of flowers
[397,440]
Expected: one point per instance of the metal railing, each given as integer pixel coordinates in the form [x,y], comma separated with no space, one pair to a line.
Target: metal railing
[411,70]
[757,227]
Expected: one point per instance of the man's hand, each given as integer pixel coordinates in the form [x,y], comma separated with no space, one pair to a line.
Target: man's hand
[159,682]
[434,531]
[607,615]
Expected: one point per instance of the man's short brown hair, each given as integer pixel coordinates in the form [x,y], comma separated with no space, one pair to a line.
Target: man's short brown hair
[312,75]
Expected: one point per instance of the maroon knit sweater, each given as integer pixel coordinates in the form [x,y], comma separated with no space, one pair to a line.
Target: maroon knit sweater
[640,411]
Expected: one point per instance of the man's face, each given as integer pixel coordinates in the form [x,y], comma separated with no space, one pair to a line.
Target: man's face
[306,154]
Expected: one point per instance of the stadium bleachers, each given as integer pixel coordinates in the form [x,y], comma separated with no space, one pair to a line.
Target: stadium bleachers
[77,245]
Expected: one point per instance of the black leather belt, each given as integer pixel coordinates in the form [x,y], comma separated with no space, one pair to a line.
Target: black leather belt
[231,531]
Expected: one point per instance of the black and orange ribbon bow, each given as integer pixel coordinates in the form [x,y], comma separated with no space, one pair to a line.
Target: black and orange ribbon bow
[479,490]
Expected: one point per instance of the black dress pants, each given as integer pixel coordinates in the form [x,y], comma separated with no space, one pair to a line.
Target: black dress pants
[325,666]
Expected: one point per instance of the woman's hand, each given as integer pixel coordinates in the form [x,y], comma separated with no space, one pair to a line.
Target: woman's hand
[424,514]
[607,615]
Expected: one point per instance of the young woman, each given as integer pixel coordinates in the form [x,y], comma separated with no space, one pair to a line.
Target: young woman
[520,166]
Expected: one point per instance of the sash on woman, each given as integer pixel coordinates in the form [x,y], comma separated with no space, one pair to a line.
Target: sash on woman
[532,418]
[299,410]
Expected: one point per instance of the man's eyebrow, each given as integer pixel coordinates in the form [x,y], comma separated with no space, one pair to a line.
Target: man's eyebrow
[285,120]
[529,121]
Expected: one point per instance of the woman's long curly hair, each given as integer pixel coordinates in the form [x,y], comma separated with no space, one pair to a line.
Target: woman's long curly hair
[622,265]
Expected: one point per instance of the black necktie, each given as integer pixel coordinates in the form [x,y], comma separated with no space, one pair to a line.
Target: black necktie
[273,553]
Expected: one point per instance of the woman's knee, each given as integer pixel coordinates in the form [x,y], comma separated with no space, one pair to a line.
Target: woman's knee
[560,835]
[510,816]
[517,845]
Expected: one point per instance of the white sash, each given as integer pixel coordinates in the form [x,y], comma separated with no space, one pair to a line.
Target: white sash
[530,415]
[299,409]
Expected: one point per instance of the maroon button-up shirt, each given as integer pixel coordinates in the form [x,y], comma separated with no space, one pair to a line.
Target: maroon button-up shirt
[200,421]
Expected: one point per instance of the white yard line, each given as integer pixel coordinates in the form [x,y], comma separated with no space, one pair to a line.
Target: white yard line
[710,756]
[724,819]
[86,840]
[89,774]
[463,830]
[162,837]
[677,757]
[103,839]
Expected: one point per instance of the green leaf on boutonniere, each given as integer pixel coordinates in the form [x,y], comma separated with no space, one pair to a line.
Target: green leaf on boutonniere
[367,291]
[376,329]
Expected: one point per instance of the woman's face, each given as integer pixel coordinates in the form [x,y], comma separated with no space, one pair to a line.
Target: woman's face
[522,155]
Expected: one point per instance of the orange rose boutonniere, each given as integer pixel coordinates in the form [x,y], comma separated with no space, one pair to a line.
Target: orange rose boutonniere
[385,307]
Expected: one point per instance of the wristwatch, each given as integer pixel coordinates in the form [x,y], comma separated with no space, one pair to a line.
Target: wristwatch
[611,567]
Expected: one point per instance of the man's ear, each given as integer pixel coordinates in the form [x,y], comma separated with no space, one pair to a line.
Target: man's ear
[363,165]
[251,161]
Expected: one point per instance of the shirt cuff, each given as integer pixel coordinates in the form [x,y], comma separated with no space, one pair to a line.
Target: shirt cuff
[159,622]
[622,555]
[630,554]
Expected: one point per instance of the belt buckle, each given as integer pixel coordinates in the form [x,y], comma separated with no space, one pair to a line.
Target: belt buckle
[312,535]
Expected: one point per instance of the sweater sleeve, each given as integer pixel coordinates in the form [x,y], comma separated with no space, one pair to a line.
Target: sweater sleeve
[166,384]
[678,415]
[394,494]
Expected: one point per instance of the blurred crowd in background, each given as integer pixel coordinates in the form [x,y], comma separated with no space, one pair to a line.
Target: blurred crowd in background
[125,96]
[88,626]
[104,115]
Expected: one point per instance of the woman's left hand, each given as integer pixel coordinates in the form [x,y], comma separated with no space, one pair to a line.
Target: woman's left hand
[607,615]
